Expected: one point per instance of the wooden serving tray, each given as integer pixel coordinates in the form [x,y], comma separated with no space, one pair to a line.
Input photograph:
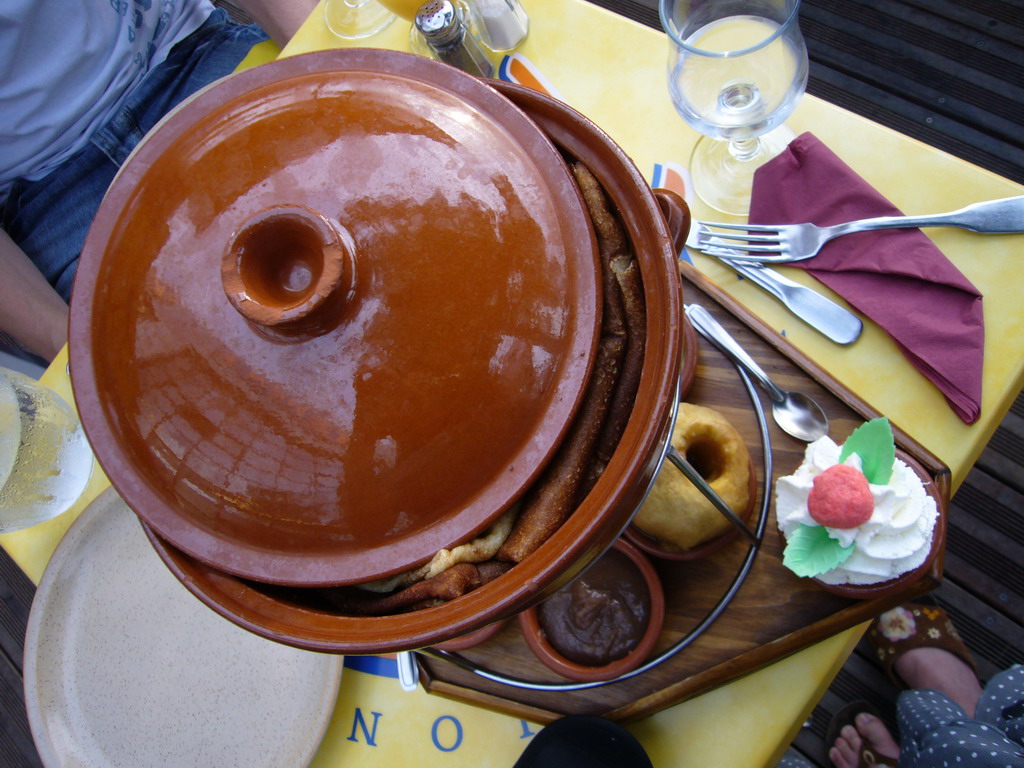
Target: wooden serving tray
[773,614]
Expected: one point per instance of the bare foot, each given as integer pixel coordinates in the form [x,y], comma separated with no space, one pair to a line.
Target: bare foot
[942,671]
[870,732]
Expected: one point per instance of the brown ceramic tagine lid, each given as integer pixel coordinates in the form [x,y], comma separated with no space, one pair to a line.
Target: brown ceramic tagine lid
[334,315]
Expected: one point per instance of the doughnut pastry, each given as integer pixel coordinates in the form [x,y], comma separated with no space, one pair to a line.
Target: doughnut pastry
[675,511]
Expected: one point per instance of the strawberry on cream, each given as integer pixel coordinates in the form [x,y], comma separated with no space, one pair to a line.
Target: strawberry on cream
[897,536]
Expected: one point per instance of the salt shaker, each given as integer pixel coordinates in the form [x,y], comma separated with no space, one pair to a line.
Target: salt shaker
[501,24]
[445,32]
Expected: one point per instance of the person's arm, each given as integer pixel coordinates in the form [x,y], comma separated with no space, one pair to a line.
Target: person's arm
[31,311]
[280,19]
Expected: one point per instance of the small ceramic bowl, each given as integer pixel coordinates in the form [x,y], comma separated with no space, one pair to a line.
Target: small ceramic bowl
[668,551]
[536,638]
[884,589]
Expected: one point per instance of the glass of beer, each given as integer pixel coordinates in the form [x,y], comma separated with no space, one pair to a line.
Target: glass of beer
[45,460]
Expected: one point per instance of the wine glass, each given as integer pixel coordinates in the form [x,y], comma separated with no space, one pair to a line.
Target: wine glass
[356,19]
[736,70]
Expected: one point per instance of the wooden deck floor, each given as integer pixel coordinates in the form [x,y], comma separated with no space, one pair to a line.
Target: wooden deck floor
[952,75]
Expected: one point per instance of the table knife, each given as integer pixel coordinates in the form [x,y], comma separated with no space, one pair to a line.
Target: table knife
[824,315]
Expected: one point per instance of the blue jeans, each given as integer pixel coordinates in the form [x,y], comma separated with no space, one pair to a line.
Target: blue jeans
[50,218]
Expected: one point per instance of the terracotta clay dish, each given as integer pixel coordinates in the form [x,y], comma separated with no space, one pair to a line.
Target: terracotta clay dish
[530,623]
[689,367]
[303,617]
[335,314]
[667,551]
[472,639]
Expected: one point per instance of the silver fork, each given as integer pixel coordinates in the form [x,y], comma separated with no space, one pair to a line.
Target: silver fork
[822,314]
[795,242]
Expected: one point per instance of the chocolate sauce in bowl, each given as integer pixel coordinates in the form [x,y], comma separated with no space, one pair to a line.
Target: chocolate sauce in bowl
[601,616]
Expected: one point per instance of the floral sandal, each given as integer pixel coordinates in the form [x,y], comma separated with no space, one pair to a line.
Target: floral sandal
[910,626]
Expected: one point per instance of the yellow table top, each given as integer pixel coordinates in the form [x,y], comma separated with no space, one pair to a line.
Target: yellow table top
[615,74]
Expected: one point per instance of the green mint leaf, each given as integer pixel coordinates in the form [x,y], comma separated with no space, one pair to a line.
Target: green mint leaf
[873,442]
[811,552]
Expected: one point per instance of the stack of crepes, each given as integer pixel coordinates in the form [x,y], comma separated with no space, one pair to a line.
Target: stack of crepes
[895,277]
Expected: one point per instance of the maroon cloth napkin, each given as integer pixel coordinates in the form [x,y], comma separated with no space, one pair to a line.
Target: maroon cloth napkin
[896,277]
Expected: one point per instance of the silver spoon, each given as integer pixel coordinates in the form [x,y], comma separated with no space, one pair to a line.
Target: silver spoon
[796,413]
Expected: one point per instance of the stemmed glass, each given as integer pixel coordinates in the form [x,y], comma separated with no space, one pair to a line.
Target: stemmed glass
[736,70]
[356,19]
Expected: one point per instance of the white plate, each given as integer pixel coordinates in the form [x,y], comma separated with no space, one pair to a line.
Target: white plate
[123,667]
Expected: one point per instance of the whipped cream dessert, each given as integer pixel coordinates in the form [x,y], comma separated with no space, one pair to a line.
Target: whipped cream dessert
[895,539]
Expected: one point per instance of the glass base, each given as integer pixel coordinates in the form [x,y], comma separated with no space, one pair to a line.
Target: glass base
[418,45]
[722,179]
[356,19]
